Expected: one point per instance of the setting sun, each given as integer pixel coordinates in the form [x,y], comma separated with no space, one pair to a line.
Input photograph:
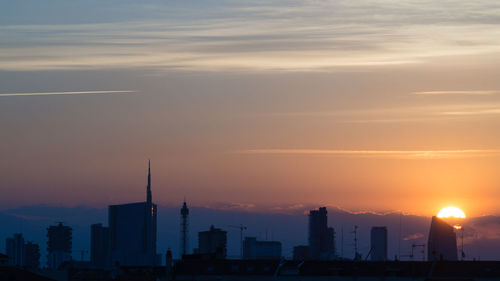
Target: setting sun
[451,212]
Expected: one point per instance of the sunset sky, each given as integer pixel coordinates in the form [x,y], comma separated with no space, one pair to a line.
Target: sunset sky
[377,105]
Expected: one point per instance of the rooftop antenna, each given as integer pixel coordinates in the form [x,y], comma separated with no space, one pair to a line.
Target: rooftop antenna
[399,239]
[342,241]
[355,242]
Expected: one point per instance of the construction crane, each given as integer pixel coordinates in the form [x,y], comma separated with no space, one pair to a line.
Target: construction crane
[241,228]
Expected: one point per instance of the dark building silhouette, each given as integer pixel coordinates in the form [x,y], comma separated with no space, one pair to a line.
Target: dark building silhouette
[31,257]
[442,243]
[59,245]
[15,249]
[378,243]
[300,252]
[4,259]
[22,254]
[132,231]
[99,246]
[253,249]
[184,229]
[321,237]
[212,242]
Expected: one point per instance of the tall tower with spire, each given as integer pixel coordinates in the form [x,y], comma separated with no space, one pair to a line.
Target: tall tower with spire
[184,229]
[149,199]
[132,230]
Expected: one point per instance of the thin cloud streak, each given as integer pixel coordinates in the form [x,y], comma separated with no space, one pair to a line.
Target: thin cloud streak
[284,36]
[492,111]
[66,93]
[405,154]
[477,92]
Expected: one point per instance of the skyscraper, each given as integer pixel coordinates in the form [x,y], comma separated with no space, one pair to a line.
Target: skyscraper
[321,237]
[184,229]
[378,243]
[132,230]
[31,256]
[15,249]
[59,245]
[99,246]
[22,254]
[442,243]
[213,242]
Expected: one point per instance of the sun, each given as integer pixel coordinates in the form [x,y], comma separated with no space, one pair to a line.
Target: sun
[451,212]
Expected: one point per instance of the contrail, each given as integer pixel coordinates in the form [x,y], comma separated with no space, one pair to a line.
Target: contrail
[478,92]
[409,154]
[65,93]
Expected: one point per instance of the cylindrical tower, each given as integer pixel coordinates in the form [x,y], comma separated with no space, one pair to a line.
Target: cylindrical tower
[184,229]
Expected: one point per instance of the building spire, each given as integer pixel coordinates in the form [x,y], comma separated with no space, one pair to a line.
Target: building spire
[149,199]
[184,228]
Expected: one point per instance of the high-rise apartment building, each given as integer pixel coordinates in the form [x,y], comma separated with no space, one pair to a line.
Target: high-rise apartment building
[321,237]
[378,243]
[99,246]
[213,242]
[59,245]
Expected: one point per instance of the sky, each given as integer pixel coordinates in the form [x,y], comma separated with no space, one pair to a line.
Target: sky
[255,105]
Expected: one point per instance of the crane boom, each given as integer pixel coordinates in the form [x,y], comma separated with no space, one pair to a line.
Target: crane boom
[241,227]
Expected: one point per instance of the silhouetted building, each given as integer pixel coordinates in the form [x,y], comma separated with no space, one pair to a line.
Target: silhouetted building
[253,249]
[442,243]
[132,230]
[321,237]
[330,243]
[378,243]
[184,229]
[59,245]
[15,249]
[213,242]
[300,252]
[31,257]
[22,254]
[4,259]
[99,246]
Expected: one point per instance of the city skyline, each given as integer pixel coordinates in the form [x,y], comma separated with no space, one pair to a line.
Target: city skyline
[249,140]
[481,234]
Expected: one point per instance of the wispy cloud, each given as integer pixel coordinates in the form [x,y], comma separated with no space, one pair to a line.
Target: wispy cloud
[232,206]
[402,114]
[461,92]
[413,236]
[65,93]
[405,154]
[490,111]
[258,35]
